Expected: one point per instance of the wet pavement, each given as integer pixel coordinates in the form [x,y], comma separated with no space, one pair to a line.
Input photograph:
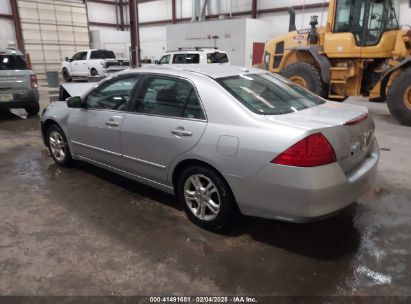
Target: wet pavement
[85,231]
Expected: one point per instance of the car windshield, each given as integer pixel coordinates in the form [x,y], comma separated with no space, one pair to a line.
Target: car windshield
[217,57]
[267,94]
[12,62]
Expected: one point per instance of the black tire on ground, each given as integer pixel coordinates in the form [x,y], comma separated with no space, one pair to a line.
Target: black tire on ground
[310,74]
[33,109]
[93,72]
[56,132]
[399,98]
[66,75]
[227,204]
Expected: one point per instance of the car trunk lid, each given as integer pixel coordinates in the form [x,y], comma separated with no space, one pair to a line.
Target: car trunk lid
[347,127]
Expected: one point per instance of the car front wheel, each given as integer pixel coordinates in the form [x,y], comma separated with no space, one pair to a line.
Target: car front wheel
[206,197]
[66,75]
[58,146]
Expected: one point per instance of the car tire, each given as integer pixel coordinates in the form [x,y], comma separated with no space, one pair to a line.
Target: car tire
[215,214]
[58,146]
[308,76]
[94,73]
[399,98]
[33,109]
[66,75]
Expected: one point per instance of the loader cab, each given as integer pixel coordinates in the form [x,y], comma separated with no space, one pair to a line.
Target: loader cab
[362,28]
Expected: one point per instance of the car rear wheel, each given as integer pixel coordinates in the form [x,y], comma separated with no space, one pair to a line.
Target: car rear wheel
[58,146]
[33,109]
[66,75]
[206,197]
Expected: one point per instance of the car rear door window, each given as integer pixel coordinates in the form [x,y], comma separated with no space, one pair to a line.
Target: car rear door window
[102,54]
[96,55]
[12,62]
[186,58]
[113,95]
[169,96]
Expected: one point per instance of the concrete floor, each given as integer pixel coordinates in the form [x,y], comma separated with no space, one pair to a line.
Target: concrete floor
[84,231]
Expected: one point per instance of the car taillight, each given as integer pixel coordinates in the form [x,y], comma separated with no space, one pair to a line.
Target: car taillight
[312,151]
[33,79]
[356,120]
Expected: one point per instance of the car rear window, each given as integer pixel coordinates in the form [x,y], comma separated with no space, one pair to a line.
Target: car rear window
[267,94]
[12,62]
[217,57]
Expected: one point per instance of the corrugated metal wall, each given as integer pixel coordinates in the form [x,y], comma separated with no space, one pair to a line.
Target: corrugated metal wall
[52,30]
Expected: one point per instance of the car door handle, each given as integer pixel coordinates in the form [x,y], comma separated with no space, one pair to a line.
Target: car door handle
[112,123]
[181,132]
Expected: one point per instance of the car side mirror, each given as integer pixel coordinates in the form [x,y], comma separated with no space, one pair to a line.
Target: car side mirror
[156,61]
[66,59]
[75,102]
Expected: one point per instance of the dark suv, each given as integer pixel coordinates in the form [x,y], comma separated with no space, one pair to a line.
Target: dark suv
[18,84]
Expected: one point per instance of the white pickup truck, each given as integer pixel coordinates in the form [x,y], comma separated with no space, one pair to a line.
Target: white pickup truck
[97,63]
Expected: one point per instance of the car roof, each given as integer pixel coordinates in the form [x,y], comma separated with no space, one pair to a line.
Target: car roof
[185,51]
[92,50]
[10,52]
[213,71]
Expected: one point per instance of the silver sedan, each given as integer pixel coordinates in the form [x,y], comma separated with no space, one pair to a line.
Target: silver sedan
[223,139]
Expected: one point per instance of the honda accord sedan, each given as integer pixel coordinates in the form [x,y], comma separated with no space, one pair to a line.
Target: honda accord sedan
[223,139]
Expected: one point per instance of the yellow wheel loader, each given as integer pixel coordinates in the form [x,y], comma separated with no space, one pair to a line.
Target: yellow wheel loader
[360,51]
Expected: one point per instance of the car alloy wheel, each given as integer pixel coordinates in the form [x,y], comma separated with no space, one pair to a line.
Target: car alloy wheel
[57,146]
[202,197]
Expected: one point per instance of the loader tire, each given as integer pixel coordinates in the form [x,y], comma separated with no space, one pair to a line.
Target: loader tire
[307,76]
[399,98]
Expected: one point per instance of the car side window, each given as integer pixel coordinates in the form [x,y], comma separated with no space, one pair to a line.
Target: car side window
[102,55]
[113,95]
[217,57]
[169,96]
[96,55]
[165,59]
[77,56]
[83,56]
[186,58]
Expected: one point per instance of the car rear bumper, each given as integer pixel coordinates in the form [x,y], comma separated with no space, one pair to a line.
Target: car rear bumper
[21,100]
[303,194]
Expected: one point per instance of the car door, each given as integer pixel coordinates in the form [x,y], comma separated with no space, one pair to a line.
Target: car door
[168,120]
[82,65]
[72,64]
[94,131]
[76,64]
